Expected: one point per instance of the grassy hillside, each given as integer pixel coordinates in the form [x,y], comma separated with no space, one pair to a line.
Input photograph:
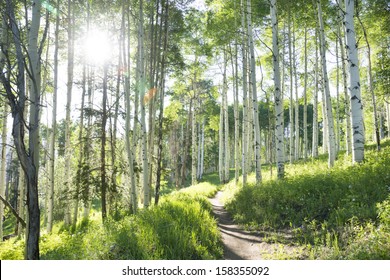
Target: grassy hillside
[339,213]
[181,227]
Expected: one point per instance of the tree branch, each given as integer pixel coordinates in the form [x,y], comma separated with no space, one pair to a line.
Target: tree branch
[6,203]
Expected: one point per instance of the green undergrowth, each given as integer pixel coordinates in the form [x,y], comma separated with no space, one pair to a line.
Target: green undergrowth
[338,213]
[180,227]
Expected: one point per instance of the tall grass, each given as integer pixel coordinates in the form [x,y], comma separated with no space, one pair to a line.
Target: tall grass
[329,210]
[181,227]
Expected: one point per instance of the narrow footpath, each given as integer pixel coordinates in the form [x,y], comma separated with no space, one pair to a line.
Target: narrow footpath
[239,244]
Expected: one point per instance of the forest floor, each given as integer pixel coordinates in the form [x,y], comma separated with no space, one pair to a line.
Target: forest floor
[241,244]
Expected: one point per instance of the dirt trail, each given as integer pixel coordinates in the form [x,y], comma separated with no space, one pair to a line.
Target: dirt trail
[239,244]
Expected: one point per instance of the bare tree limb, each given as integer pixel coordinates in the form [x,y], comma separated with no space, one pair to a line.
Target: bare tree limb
[6,203]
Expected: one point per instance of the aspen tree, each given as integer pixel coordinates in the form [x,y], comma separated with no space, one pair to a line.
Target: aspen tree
[291,108]
[161,113]
[354,85]
[244,100]
[53,124]
[328,105]
[296,115]
[337,98]
[28,154]
[371,88]
[226,146]
[315,101]
[254,94]
[3,50]
[279,114]
[194,140]
[305,144]
[141,84]
[3,162]
[347,106]
[69,86]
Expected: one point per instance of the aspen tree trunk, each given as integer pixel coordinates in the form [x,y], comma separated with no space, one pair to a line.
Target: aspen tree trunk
[89,82]
[254,93]
[325,135]
[194,140]
[53,126]
[296,149]
[305,140]
[371,89]
[3,50]
[21,199]
[161,113]
[202,152]
[279,114]
[348,129]
[226,123]
[221,151]
[3,164]
[81,147]
[113,198]
[388,118]
[250,123]
[28,157]
[337,98]
[131,151]
[315,101]
[69,86]
[199,137]
[187,144]
[236,115]
[103,187]
[142,80]
[153,77]
[129,146]
[35,94]
[244,101]
[283,89]
[291,108]
[354,87]
[328,104]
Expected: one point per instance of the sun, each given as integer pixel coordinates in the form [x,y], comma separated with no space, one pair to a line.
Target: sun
[97,47]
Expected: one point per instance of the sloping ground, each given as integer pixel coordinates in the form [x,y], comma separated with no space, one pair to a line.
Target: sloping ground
[240,244]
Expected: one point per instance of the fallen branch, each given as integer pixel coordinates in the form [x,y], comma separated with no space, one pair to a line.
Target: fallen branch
[6,203]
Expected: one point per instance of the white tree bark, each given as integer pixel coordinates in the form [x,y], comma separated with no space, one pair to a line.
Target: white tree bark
[194,140]
[388,118]
[305,144]
[347,112]
[236,117]
[50,208]
[295,62]
[315,102]
[291,108]
[226,122]
[328,104]
[279,114]
[142,80]
[354,86]
[245,158]
[337,98]
[221,144]
[254,94]
[3,49]
[3,164]
[69,86]
[21,199]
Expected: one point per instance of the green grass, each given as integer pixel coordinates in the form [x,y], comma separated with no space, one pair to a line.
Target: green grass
[338,213]
[181,227]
